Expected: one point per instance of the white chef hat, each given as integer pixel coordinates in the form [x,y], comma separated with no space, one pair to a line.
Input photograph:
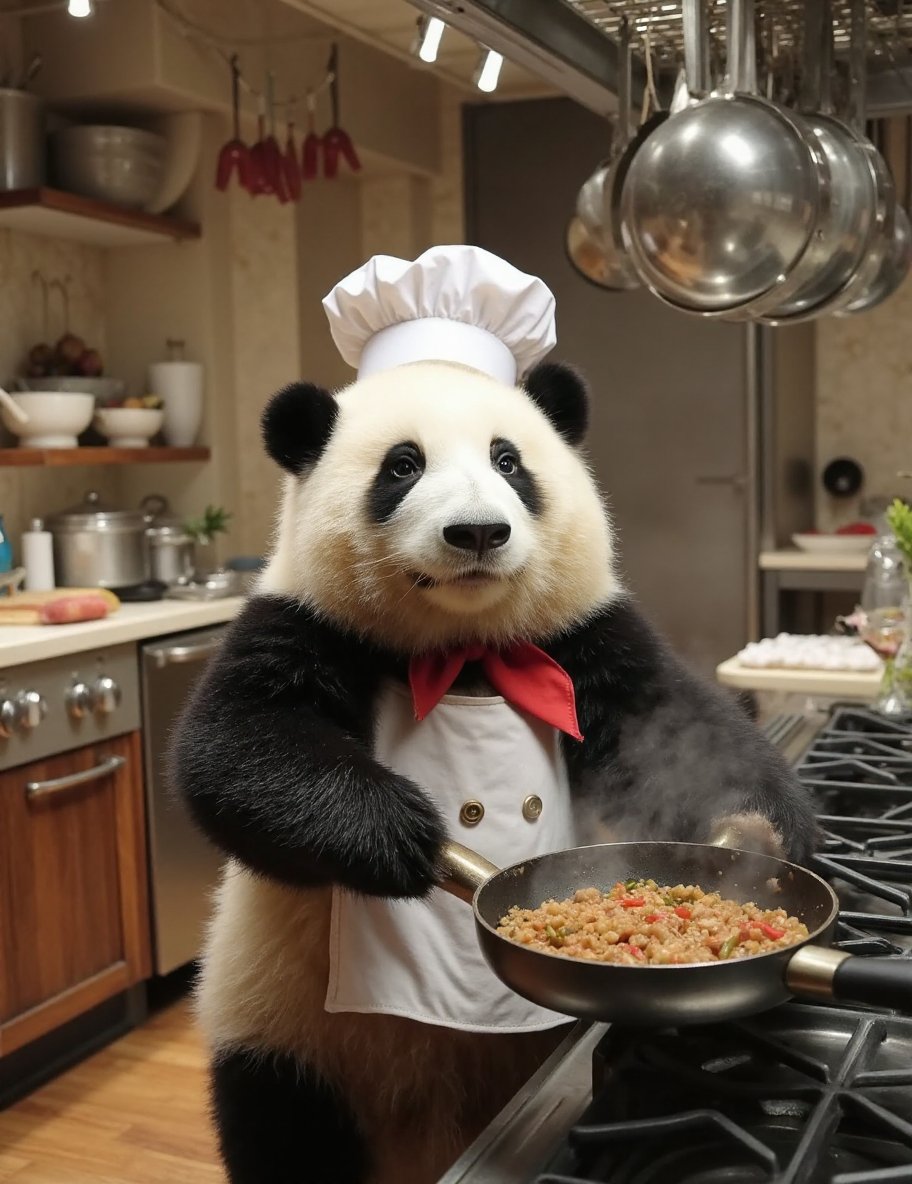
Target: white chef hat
[453,304]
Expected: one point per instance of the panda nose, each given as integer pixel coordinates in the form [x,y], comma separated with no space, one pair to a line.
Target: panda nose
[477,536]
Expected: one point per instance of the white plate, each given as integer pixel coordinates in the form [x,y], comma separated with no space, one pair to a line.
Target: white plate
[834,544]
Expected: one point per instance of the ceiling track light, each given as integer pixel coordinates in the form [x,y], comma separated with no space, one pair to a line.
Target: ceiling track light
[79,8]
[487,72]
[427,43]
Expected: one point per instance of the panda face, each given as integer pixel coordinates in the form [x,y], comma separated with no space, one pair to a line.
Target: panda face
[460,512]
[431,505]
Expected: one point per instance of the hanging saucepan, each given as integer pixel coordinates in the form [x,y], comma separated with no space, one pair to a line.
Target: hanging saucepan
[893,269]
[863,196]
[593,246]
[724,204]
[660,995]
[890,258]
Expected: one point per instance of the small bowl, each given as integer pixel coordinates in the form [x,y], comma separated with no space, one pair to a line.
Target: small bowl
[55,419]
[128,427]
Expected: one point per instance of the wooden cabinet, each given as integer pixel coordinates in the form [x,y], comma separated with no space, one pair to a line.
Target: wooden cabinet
[74,926]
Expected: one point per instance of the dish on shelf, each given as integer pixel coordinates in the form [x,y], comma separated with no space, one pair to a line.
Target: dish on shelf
[834,544]
[55,420]
[128,427]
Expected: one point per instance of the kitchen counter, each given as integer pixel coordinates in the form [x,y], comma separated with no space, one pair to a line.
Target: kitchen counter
[846,684]
[131,622]
[791,559]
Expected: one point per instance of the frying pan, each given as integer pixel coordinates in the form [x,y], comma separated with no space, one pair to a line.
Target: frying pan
[670,995]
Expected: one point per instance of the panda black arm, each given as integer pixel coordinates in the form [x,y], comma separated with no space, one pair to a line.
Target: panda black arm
[271,757]
[667,754]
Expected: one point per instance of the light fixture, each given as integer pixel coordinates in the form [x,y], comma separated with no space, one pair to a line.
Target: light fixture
[79,8]
[430,31]
[488,71]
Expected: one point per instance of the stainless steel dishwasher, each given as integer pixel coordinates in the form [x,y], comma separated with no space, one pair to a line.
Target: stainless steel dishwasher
[183,865]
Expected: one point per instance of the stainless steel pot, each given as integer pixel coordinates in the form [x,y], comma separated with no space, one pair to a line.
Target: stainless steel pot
[723,204]
[172,552]
[97,546]
[21,140]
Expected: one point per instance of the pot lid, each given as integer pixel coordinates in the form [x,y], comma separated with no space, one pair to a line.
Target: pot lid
[94,514]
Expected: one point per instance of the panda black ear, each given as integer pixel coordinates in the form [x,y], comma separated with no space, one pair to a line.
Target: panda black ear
[297,423]
[561,393]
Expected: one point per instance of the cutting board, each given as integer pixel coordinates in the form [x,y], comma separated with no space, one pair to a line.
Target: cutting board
[62,606]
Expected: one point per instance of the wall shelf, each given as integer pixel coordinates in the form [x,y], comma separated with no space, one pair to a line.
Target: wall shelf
[56,457]
[55,214]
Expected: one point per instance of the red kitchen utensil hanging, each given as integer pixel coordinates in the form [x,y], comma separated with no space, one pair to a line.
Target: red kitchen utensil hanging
[272,153]
[310,149]
[235,155]
[337,142]
[259,173]
[290,165]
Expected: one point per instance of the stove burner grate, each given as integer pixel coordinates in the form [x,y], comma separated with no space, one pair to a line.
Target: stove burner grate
[811,1096]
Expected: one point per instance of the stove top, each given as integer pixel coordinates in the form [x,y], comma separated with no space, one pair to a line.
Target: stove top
[811,1094]
[805,1094]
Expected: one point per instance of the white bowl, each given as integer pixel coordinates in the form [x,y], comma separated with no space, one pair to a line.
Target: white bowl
[834,544]
[128,427]
[55,419]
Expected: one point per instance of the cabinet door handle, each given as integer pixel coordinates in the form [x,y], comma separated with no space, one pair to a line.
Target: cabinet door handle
[44,789]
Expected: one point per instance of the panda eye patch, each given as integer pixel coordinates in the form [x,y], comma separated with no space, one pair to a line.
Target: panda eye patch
[399,472]
[507,463]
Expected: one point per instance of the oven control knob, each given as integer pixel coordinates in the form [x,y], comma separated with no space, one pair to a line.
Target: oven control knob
[78,700]
[106,695]
[9,713]
[32,708]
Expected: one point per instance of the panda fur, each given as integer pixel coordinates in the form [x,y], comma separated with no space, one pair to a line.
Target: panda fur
[273,752]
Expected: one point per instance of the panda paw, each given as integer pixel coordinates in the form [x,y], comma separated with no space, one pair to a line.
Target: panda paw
[403,847]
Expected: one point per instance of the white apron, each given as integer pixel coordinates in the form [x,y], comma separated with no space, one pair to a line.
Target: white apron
[421,959]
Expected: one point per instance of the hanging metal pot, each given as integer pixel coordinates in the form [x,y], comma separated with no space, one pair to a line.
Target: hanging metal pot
[724,203]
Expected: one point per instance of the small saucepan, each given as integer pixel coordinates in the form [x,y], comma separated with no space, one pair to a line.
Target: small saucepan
[659,996]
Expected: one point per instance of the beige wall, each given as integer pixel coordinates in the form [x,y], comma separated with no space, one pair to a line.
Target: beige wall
[864,401]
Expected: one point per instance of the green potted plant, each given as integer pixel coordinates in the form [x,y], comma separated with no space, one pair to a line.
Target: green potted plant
[203,531]
[899,519]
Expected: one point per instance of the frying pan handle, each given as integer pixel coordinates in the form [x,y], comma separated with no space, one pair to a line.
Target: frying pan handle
[817,972]
[880,982]
[464,871]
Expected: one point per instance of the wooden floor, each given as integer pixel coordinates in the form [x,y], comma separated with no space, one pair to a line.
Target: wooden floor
[134,1113]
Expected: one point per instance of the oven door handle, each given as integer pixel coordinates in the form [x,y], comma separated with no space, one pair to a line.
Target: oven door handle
[172,654]
[44,789]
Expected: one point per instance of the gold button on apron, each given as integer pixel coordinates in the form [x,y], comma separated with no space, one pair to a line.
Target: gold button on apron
[532,808]
[471,813]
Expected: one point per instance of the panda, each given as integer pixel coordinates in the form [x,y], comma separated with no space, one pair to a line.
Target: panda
[424,508]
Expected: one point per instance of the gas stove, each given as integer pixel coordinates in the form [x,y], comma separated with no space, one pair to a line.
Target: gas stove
[804,1094]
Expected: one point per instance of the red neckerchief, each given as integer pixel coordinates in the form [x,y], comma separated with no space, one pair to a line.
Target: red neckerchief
[525,675]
